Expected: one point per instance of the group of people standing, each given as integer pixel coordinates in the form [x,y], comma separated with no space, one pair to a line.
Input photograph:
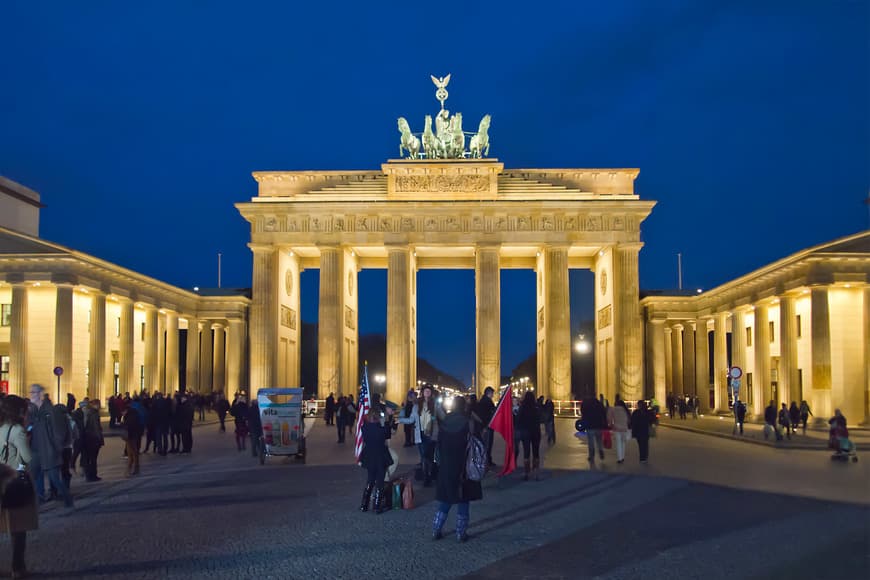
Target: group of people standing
[682,405]
[619,424]
[340,412]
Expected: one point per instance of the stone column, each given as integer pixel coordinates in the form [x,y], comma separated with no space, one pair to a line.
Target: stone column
[161,352]
[172,378]
[235,356]
[330,326]
[689,385]
[206,361]
[192,363]
[788,351]
[720,361]
[18,341]
[658,361]
[669,359]
[399,378]
[761,388]
[487,290]
[151,382]
[97,348]
[557,311]
[63,330]
[866,355]
[264,317]
[628,325]
[677,358]
[820,329]
[738,355]
[220,361]
[128,380]
[702,365]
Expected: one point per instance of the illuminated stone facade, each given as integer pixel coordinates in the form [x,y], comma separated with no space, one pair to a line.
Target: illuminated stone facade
[416,214]
[799,329]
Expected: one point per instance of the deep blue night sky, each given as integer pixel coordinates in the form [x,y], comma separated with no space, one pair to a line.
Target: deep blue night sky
[140,123]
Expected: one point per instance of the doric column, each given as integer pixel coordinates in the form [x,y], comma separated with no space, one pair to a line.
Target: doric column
[63,339]
[128,380]
[557,312]
[192,362]
[18,341]
[689,386]
[172,378]
[235,356]
[720,361]
[702,365]
[677,358]
[161,352]
[220,361]
[628,326]
[206,361]
[151,382]
[97,348]
[788,352]
[330,325]
[820,329]
[264,317]
[669,359]
[866,355]
[761,387]
[738,355]
[399,273]
[658,361]
[487,290]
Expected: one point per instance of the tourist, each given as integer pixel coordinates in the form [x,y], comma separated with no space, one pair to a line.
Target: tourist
[350,417]
[805,415]
[78,442]
[528,423]
[453,485]
[550,421]
[794,415]
[770,422]
[185,422]
[682,407]
[16,455]
[92,440]
[329,409]
[132,423]
[640,430]
[407,409]
[222,407]
[739,415]
[199,404]
[113,418]
[425,431]
[618,420]
[375,458]
[785,420]
[340,417]
[485,409]
[239,411]
[49,436]
[160,414]
[595,419]
[255,426]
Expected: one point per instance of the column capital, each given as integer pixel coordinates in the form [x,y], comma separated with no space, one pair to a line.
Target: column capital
[628,246]
[16,279]
[218,326]
[495,246]
[64,279]
[261,248]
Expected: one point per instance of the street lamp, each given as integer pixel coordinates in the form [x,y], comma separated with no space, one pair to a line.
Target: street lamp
[380,379]
[582,345]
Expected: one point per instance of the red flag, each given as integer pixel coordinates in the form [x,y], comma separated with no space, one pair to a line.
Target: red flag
[503,422]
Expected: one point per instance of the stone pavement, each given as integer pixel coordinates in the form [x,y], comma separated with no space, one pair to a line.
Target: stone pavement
[723,426]
[218,514]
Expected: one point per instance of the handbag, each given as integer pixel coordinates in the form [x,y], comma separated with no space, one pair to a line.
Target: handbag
[19,490]
[408,495]
[607,439]
[397,495]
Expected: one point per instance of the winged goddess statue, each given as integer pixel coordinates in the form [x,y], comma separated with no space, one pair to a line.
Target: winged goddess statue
[441,84]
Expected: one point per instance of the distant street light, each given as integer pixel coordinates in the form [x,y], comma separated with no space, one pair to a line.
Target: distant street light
[582,345]
[380,379]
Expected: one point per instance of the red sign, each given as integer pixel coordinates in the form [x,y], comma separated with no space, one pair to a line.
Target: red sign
[4,386]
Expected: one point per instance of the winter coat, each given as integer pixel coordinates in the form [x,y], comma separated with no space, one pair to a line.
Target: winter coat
[594,415]
[414,420]
[640,424]
[485,409]
[25,517]
[49,436]
[93,431]
[618,419]
[770,415]
[452,485]
[133,423]
[255,424]
[375,453]
[222,407]
[528,420]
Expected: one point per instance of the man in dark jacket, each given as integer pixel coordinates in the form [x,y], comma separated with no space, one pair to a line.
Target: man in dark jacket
[222,407]
[739,415]
[160,411]
[185,422]
[49,435]
[255,426]
[595,419]
[640,429]
[485,409]
[92,440]
[770,421]
[329,409]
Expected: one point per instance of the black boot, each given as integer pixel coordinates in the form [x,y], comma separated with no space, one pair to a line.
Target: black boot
[379,500]
[367,496]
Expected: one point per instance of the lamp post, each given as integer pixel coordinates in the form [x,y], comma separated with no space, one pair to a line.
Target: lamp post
[582,345]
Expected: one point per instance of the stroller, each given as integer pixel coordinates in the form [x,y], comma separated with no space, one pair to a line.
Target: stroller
[843,447]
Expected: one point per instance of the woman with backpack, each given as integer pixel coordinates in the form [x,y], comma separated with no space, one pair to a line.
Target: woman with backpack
[454,486]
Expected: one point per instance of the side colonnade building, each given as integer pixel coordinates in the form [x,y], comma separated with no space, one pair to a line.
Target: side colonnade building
[110,329]
[799,329]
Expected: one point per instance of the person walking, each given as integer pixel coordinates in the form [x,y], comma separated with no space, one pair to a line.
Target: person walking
[185,412]
[805,415]
[160,412]
[485,409]
[15,456]
[132,423]
[528,423]
[222,407]
[255,426]
[550,421]
[375,458]
[595,419]
[49,436]
[78,442]
[453,486]
[739,415]
[619,420]
[770,422]
[350,418]
[640,430]
[239,411]
[329,409]
[92,440]
[794,415]
[785,420]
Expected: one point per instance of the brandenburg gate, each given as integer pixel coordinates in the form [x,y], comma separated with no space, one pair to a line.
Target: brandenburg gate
[444,207]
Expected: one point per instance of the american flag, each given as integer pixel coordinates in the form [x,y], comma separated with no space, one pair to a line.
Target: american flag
[363,410]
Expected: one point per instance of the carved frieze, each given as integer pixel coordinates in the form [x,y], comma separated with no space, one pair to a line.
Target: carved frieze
[288,317]
[605,317]
[442,183]
[349,318]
